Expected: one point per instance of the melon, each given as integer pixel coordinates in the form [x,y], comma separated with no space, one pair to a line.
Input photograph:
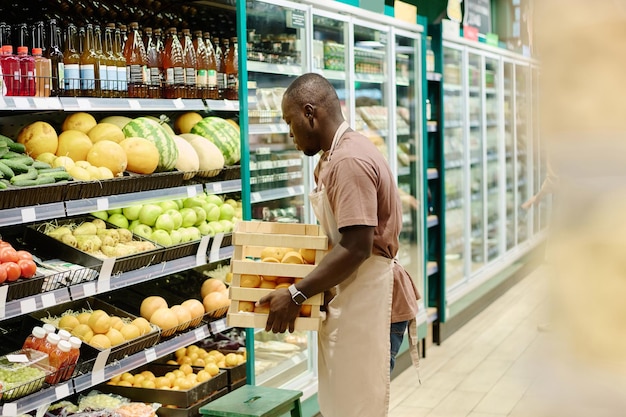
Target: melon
[142,155]
[209,155]
[187,160]
[223,135]
[108,154]
[185,122]
[144,127]
[38,138]
[74,144]
[106,131]
[79,121]
[164,318]
[163,123]
[119,121]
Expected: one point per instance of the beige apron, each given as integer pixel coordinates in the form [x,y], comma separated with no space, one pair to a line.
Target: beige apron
[353,342]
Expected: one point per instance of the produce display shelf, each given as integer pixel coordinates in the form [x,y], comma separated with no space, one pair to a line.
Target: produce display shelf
[135,104]
[40,399]
[268,129]
[452,87]
[433,76]
[432,220]
[30,103]
[432,268]
[370,78]
[30,214]
[403,81]
[276,194]
[32,303]
[222,105]
[474,89]
[284,366]
[219,326]
[281,69]
[432,173]
[224,187]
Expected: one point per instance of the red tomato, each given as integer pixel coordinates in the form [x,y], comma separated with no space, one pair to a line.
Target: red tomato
[22,254]
[28,268]
[8,254]
[3,273]
[13,271]
[4,244]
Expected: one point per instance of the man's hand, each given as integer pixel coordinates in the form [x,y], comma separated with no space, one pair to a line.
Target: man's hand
[283,311]
[529,203]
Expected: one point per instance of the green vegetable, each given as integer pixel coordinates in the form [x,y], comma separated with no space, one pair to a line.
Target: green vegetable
[3,186]
[12,145]
[31,174]
[24,159]
[49,170]
[57,175]
[3,151]
[39,181]
[11,154]
[17,167]
[18,381]
[41,165]
[6,171]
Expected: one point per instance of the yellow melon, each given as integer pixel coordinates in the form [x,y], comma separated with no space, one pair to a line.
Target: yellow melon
[100,322]
[106,131]
[115,337]
[100,341]
[143,325]
[268,284]
[130,331]
[79,121]
[74,144]
[151,304]
[246,306]
[119,121]
[250,281]
[108,154]
[142,155]
[38,138]
[185,122]
[164,318]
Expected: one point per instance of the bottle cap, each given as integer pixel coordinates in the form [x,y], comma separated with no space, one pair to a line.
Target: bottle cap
[75,342]
[22,49]
[64,346]
[37,51]
[7,49]
[53,338]
[39,332]
[64,334]
[49,328]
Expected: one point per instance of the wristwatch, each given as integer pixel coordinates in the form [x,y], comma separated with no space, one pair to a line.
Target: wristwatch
[297,296]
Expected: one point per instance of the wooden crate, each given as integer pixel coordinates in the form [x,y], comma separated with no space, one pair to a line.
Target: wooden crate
[249,239]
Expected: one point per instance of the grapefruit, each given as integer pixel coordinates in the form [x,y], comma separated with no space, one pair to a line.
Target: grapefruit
[211,285]
[151,304]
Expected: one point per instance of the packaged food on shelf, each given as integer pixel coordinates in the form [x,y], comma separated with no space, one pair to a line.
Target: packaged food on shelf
[23,372]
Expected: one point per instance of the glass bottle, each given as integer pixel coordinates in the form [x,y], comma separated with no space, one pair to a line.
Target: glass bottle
[111,63]
[89,66]
[154,81]
[202,66]
[71,63]
[122,80]
[212,73]
[190,63]
[10,71]
[430,55]
[136,63]
[103,81]
[54,53]
[36,339]
[81,40]
[160,47]
[173,66]
[27,72]
[232,71]
[42,74]
[220,61]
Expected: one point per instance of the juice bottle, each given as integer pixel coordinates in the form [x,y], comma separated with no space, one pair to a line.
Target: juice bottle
[160,47]
[136,63]
[10,71]
[154,80]
[173,66]
[212,68]
[27,72]
[54,53]
[74,354]
[36,339]
[221,70]
[58,358]
[42,74]
[202,67]
[49,328]
[64,334]
[232,71]
[71,63]
[103,62]
[122,80]
[89,66]
[190,64]
[111,62]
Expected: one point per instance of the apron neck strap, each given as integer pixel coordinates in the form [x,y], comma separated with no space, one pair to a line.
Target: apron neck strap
[336,139]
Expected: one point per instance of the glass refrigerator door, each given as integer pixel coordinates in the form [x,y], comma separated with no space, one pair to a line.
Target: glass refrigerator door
[509,146]
[408,155]
[475,75]
[454,154]
[276,56]
[522,137]
[539,157]
[371,84]
[492,152]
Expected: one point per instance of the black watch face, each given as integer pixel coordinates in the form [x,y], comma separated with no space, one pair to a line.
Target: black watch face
[300,298]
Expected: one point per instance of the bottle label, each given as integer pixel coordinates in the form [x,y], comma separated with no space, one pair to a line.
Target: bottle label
[135,74]
[16,75]
[104,77]
[122,79]
[221,80]
[212,78]
[3,87]
[155,76]
[175,75]
[146,74]
[112,77]
[87,77]
[190,76]
[233,82]
[72,77]
[61,75]
[202,77]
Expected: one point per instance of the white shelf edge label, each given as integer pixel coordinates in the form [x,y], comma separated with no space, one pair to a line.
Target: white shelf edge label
[4,290]
[192,191]
[256,196]
[28,305]
[214,256]
[83,103]
[21,102]
[151,355]
[62,391]
[229,105]
[134,104]
[40,103]
[9,409]
[104,279]
[220,326]
[102,204]
[202,250]
[89,289]
[29,214]
[217,187]
[178,103]
[291,191]
[97,375]
[48,299]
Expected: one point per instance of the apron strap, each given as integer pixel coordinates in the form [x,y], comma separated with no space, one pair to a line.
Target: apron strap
[414,347]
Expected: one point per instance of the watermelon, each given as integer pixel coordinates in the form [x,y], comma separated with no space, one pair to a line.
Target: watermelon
[223,135]
[146,128]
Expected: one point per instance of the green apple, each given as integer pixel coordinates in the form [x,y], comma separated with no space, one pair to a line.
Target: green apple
[239,213]
[179,203]
[114,211]
[101,215]
[168,205]
[176,216]
[164,222]
[212,213]
[228,225]
[133,224]
[119,220]
[143,230]
[217,227]
[132,212]
[185,235]
[189,217]
[231,202]
[176,237]
[215,199]
[194,233]
[193,202]
[149,213]
[161,237]
[200,214]
[227,212]
[205,229]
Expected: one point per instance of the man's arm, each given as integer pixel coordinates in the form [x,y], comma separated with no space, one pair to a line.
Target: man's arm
[341,262]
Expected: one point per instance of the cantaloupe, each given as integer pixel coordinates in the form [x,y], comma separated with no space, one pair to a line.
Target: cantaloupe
[81,121]
[187,160]
[106,131]
[142,155]
[186,121]
[108,154]
[119,121]
[74,144]
[38,138]
[209,155]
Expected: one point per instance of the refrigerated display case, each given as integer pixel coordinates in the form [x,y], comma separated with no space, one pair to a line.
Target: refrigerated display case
[523,150]
[509,147]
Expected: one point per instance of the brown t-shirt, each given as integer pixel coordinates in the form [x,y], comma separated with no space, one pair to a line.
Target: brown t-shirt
[362,192]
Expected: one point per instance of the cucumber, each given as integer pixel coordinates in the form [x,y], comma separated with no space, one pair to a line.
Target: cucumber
[3,186]
[49,170]
[11,155]
[13,146]
[41,165]
[6,171]
[30,175]
[24,159]
[17,167]
[58,175]
[39,181]
[3,151]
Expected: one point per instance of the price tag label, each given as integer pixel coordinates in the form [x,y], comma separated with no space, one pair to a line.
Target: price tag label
[202,250]
[21,103]
[291,191]
[3,104]
[229,105]
[28,305]
[178,103]
[62,391]
[281,69]
[4,290]
[192,191]
[217,187]
[134,104]
[48,300]
[97,375]
[273,128]
[102,204]
[200,333]
[29,214]
[220,326]
[214,256]
[89,289]
[40,103]
[151,355]
[83,103]
[104,279]
[9,409]
[256,197]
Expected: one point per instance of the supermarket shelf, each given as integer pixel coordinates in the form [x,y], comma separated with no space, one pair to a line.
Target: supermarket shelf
[223,105]
[434,76]
[268,129]
[452,87]
[30,103]
[36,400]
[30,214]
[491,91]
[474,89]
[283,163]
[135,104]
[276,194]
[272,373]
[89,205]
[333,74]
[453,124]
[370,78]
[404,171]
[432,173]
[404,82]
[432,221]
[280,69]
[431,126]
[224,187]
[219,326]
[432,268]
[455,163]
[32,303]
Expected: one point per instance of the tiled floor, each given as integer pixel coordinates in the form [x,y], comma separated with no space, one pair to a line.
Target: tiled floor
[483,370]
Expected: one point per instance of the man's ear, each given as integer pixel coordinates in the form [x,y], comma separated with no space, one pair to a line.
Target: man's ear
[309,113]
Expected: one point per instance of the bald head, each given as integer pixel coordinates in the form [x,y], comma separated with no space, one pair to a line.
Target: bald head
[314,89]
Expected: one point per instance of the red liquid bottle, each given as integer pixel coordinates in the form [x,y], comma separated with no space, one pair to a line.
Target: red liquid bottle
[36,339]
[74,354]
[58,358]
[173,66]
[27,72]
[10,71]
